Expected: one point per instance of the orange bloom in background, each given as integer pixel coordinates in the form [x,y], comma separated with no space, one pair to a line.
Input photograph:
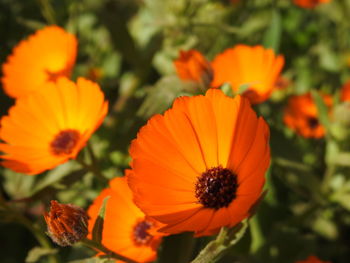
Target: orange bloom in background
[244,65]
[312,259]
[193,66]
[126,231]
[345,92]
[44,57]
[309,3]
[45,129]
[301,115]
[201,165]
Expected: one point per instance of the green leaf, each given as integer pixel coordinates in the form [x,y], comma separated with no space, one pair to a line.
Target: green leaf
[38,252]
[227,90]
[272,36]
[98,226]
[161,96]
[322,109]
[244,87]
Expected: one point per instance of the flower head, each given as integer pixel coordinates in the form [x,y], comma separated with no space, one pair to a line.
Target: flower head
[201,165]
[66,223]
[44,57]
[126,230]
[301,115]
[256,67]
[312,259]
[193,66]
[45,129]
[310,3]
[345,92]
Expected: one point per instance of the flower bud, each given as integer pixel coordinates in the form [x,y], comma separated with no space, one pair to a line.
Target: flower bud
[66,223]
[193,66]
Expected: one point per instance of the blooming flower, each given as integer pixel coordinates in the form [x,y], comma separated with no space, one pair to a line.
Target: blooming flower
[257,67]
[345,92]
[201,165]
[126,230]
[312,259]
[301,115]
[193,66]
[44,57]
[66,223]
[310,3]
[45,129]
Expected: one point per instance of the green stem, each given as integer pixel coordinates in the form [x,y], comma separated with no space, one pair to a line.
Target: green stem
[39,235]
[47,11]
[257,235]
[92,169]
[291,164]
[213,249]
[100,247]
[224,240]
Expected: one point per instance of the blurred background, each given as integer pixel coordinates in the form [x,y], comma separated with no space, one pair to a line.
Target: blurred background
[128,47]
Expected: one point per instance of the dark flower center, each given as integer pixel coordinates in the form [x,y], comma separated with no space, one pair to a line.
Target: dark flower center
[140,233]
[64,142]
[312,122]
[216,187]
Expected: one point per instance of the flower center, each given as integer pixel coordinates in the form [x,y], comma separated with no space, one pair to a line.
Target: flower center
[216,187]
[64,142]
[312,122]
[140,233]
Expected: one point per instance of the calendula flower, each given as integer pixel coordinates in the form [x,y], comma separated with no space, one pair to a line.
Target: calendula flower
[193,66]
[301,115]
[312,259]
[256,67]
[309,3]
[45,129]
[126,230]
[345,92]
[44,57]
[201,165]
[66,223]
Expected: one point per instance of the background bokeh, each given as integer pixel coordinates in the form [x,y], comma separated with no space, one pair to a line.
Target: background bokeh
[128,47]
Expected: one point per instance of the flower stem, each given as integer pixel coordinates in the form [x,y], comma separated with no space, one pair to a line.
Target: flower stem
[100,247]
[224,240]
[47,11]
[93,167]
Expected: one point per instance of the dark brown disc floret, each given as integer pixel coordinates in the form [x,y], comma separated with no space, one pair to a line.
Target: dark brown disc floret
[312,122]
[64,142]
[216,187]
[140,234]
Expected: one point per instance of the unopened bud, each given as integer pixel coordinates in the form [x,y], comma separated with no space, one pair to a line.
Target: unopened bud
[193,66]
[66,223]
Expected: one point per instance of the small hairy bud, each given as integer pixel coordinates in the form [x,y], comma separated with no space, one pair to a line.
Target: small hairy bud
[66,223]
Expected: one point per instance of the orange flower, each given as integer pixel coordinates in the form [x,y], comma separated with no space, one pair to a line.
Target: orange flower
[46,55]
[126,230]
[45,129]
[193,66]
[201,165]
[301,115]
[310,3]
[244,65]
[312,259]
[345,92]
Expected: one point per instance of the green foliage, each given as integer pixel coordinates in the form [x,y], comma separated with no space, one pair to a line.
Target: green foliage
[98,226]
[132,44]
